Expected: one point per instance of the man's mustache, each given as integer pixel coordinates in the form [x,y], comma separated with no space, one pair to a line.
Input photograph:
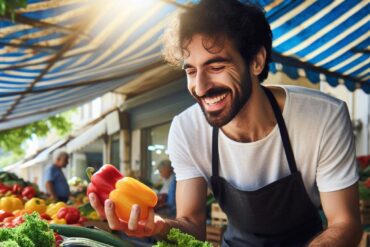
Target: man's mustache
[211,92]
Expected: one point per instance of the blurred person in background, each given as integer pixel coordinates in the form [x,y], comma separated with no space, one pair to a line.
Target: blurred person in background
[167,195]
[55,182]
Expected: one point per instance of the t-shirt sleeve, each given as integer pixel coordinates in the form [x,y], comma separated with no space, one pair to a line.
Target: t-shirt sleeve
[49,174]
[337,168]
[180,153]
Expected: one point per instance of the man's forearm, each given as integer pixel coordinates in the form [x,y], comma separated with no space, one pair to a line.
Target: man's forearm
[338,235]
[185,225]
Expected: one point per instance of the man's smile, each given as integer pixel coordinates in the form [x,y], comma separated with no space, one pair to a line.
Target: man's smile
[215,102]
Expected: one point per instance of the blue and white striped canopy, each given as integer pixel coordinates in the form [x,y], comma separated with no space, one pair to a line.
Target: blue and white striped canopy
[62,53]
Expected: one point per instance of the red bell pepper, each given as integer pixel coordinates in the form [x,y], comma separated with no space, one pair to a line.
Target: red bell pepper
[82,220]
[70,214]
[28,192]
[11,222]
[103,181]
[4,188]
[4,214]
[45,216]
[16,189]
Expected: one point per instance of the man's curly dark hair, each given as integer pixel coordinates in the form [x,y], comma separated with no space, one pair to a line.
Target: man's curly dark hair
[244,24]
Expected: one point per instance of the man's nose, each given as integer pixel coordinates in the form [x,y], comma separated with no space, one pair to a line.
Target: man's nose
[202,83]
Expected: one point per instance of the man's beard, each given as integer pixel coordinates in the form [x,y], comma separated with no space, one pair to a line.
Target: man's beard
[224,116]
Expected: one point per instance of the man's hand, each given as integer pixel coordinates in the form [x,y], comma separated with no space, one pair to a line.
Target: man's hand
[50,190]
[154,225]
[191,198]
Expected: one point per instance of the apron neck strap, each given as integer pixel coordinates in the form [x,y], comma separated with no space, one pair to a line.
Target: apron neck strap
[283,130]
[283,133]
[215,158]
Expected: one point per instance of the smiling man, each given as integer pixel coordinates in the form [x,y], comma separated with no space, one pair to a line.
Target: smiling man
[271,155]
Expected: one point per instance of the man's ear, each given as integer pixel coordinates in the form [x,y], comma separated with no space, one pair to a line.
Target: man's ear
[258,63]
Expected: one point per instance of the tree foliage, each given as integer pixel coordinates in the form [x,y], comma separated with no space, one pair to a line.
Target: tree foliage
[9,6]
[12,140]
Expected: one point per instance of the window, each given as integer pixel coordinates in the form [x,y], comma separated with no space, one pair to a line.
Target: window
[156,150]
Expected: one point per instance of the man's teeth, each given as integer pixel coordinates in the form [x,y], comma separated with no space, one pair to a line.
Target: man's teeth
[214,100]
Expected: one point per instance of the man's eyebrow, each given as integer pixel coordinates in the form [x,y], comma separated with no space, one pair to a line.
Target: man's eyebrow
[216,60]
[186,66]
[208,62]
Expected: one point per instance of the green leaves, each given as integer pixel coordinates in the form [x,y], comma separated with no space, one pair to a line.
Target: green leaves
[10,6]
[12,140]
[176,238]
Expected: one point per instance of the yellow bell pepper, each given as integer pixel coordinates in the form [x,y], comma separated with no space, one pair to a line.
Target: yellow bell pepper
[58,221]
[128,192]
[10,204]
[53,208]
[36,205]
[93,216]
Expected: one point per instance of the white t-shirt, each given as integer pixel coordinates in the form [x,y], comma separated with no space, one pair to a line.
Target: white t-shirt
[320,133]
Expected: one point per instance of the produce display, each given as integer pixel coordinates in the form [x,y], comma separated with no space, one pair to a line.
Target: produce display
[176,238]
[32,231]
[28,218]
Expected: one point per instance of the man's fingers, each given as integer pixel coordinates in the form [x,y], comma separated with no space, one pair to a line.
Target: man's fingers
[96,204]
[134,217]
[110,213]
[149,226]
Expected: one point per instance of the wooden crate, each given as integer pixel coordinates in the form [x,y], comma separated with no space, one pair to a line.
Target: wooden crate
[214,234]
[218,217]
[365,211]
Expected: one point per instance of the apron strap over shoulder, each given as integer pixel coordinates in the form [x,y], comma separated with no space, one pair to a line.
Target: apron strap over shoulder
[215,159]
[283,130]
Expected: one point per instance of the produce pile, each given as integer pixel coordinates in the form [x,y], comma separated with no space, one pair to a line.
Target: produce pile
[29,219]
[11,184]
[32,232]
[19,197]
[78,188]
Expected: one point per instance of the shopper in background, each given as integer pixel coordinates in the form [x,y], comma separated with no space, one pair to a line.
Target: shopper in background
[167,195]
[55,182]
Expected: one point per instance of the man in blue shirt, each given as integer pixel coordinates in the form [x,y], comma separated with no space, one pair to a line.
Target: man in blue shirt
[55,182]
[167,195]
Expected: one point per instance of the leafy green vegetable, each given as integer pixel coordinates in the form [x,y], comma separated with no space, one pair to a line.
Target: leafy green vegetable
[37,230]
[9,243]
[176,238]
[33,232]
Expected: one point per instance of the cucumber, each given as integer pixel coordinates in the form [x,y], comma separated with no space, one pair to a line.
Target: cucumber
[97,235]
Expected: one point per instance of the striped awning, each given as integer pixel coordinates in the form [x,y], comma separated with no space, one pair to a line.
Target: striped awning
[326,40]
[61,53]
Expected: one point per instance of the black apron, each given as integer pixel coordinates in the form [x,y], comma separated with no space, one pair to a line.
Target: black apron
[278,214]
